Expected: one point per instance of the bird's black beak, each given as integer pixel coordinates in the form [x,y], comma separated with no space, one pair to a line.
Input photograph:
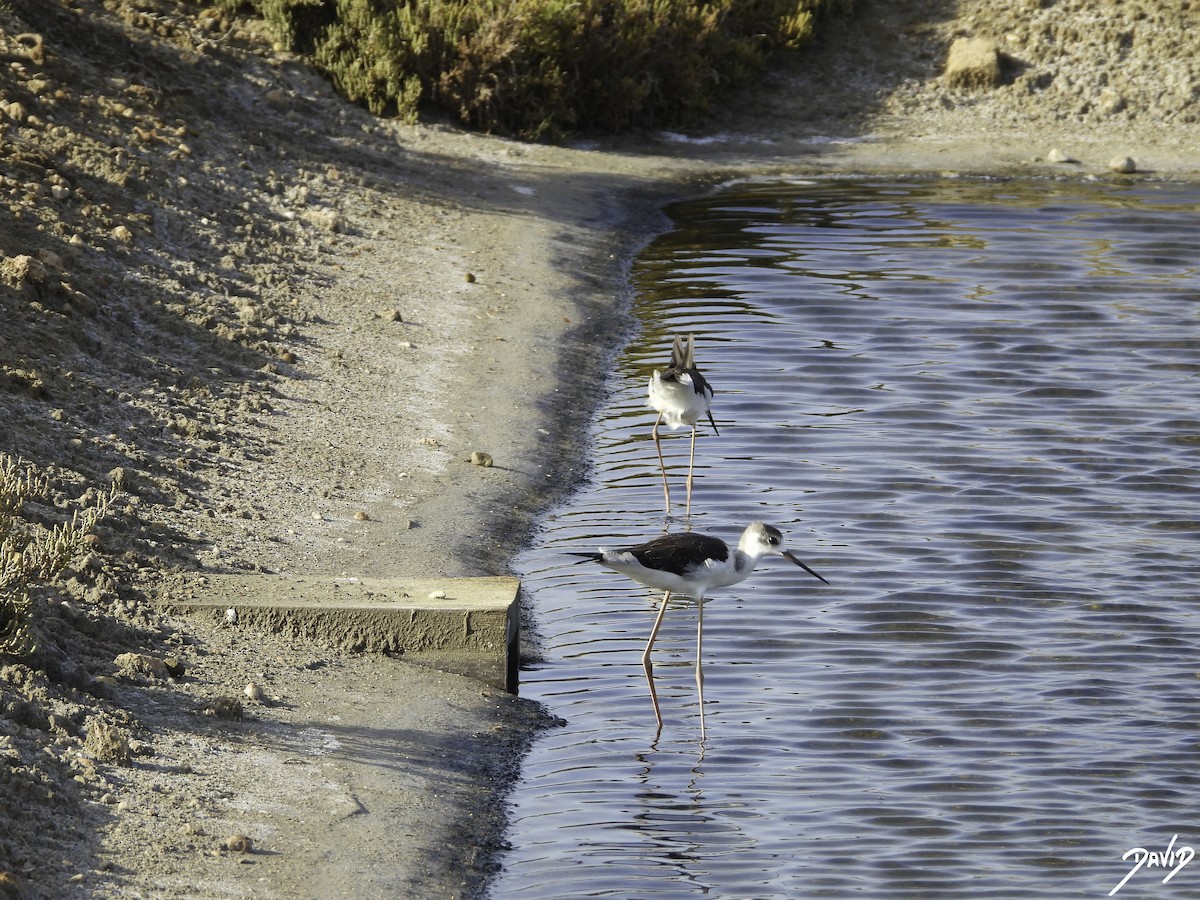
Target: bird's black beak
[787,554]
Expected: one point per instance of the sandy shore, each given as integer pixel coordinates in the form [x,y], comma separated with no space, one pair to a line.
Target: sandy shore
[315,320]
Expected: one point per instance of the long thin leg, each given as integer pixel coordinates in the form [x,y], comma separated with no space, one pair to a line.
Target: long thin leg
[662,465]
[691,468]
[699,656]
[647,664]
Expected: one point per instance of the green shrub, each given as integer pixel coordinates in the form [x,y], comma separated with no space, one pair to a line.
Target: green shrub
[29,553]
[541,68]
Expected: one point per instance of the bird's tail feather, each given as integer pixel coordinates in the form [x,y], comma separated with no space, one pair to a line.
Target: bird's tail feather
[587,557]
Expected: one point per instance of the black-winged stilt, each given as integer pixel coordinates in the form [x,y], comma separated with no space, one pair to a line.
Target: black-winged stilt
[682,396]
[692,565]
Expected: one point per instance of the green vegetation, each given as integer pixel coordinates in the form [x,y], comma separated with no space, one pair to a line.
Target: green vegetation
[30,553]
[541,69]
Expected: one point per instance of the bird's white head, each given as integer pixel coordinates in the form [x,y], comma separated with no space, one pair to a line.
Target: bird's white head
[759,540]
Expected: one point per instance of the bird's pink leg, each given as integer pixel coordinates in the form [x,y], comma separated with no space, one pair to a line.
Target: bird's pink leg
[662,465]
[647,664]
[691,468]
[699,652]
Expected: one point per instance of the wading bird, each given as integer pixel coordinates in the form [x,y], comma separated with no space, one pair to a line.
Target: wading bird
[682,396]
[692,565]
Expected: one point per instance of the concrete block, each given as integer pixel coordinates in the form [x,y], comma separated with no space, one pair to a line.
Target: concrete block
[470,626]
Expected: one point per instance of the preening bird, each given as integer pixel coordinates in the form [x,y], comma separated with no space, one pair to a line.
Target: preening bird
[682,396]
[691,565]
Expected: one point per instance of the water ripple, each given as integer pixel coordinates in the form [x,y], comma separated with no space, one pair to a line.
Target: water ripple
[972,406]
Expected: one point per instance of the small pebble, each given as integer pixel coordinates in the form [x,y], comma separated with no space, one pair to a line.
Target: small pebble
[238,843]
[107,742]
[50,259]
[362,516]
[1122,164]
[479,458]
[1060,156]
[231,616]
[254,692]
[469,278]
[437,595]
[224,708]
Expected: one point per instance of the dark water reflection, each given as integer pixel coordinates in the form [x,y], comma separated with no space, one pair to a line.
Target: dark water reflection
[974,408]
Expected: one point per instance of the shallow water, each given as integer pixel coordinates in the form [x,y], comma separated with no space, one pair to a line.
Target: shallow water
[973,407]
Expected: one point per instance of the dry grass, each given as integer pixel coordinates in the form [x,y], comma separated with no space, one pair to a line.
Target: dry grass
[31,553]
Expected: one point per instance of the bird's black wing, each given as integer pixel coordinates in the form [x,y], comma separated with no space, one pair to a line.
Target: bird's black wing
[703,388]
[681,553]
[699,382]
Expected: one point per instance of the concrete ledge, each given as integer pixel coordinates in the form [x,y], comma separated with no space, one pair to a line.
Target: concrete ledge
[470,626]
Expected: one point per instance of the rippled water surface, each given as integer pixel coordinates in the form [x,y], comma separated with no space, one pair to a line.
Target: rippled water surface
[973,407]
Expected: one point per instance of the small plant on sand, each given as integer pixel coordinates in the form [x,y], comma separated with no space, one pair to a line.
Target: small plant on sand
[31,553]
